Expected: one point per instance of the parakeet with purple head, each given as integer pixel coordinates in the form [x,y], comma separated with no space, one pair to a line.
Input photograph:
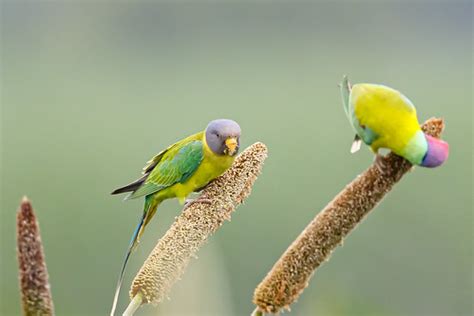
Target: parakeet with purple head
[383,117]
[184,167]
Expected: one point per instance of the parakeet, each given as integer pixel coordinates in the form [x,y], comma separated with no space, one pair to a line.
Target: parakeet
[184,167]
[384,118]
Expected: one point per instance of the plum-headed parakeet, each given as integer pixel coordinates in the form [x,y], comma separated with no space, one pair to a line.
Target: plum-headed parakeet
[384,118]
[184,167]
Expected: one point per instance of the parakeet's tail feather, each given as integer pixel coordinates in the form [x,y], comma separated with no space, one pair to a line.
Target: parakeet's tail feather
[345,92]
[131,247]
[131,187]
[149,210]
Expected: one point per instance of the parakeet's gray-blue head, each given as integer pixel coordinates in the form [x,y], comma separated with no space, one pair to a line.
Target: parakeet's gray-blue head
[223,137]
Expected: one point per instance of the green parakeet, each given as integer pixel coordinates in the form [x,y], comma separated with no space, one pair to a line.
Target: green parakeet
[182,168]
[382,117]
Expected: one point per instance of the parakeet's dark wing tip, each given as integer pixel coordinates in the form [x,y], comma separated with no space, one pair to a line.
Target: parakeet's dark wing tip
[117,191]
[130,187]
[124,189]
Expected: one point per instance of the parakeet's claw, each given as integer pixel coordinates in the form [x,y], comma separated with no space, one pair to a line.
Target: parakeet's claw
[379,162]
[356,144]
[199,199]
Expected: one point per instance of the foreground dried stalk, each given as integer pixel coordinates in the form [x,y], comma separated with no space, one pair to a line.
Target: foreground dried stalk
[291,273]
[169,258]
[35,290]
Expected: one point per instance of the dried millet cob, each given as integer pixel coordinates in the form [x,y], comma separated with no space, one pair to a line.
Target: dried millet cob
[35,290]
[291,273]
[194,225]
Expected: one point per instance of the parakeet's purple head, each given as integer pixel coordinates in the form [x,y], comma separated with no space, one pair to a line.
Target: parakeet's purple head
[223,137]
[436,154]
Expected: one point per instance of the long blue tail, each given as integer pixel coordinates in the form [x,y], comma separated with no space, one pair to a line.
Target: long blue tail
[131,247]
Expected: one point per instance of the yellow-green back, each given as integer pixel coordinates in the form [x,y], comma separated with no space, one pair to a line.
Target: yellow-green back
[210,167]
[387,113]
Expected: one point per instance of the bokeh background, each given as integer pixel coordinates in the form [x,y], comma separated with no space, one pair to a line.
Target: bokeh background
[92,90]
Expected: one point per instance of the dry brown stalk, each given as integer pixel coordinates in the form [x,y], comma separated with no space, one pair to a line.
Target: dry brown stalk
[34,285]
[291,273]
[193,226]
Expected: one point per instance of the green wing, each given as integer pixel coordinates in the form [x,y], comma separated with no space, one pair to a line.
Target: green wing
[175,165]
[362,132]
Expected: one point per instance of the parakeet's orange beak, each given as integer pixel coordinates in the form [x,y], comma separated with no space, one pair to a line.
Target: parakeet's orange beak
[232,145]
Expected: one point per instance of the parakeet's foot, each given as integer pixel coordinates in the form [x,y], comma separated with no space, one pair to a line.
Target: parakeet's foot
[356,144]
[199,199]
[379,162]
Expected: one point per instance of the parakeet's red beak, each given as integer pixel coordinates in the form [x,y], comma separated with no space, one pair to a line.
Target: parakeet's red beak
[232,146]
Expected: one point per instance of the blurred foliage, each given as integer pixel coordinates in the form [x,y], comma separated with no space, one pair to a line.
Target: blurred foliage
[91,90]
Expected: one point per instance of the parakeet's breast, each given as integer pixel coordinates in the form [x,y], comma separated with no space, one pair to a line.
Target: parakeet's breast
[210,168]
[385,113]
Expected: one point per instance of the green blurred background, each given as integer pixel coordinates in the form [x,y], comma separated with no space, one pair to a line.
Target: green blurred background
[91,90]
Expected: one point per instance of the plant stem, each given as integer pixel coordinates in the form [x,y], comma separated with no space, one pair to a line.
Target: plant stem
[134,305]
[291,273]
[196,223]
[257,312]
